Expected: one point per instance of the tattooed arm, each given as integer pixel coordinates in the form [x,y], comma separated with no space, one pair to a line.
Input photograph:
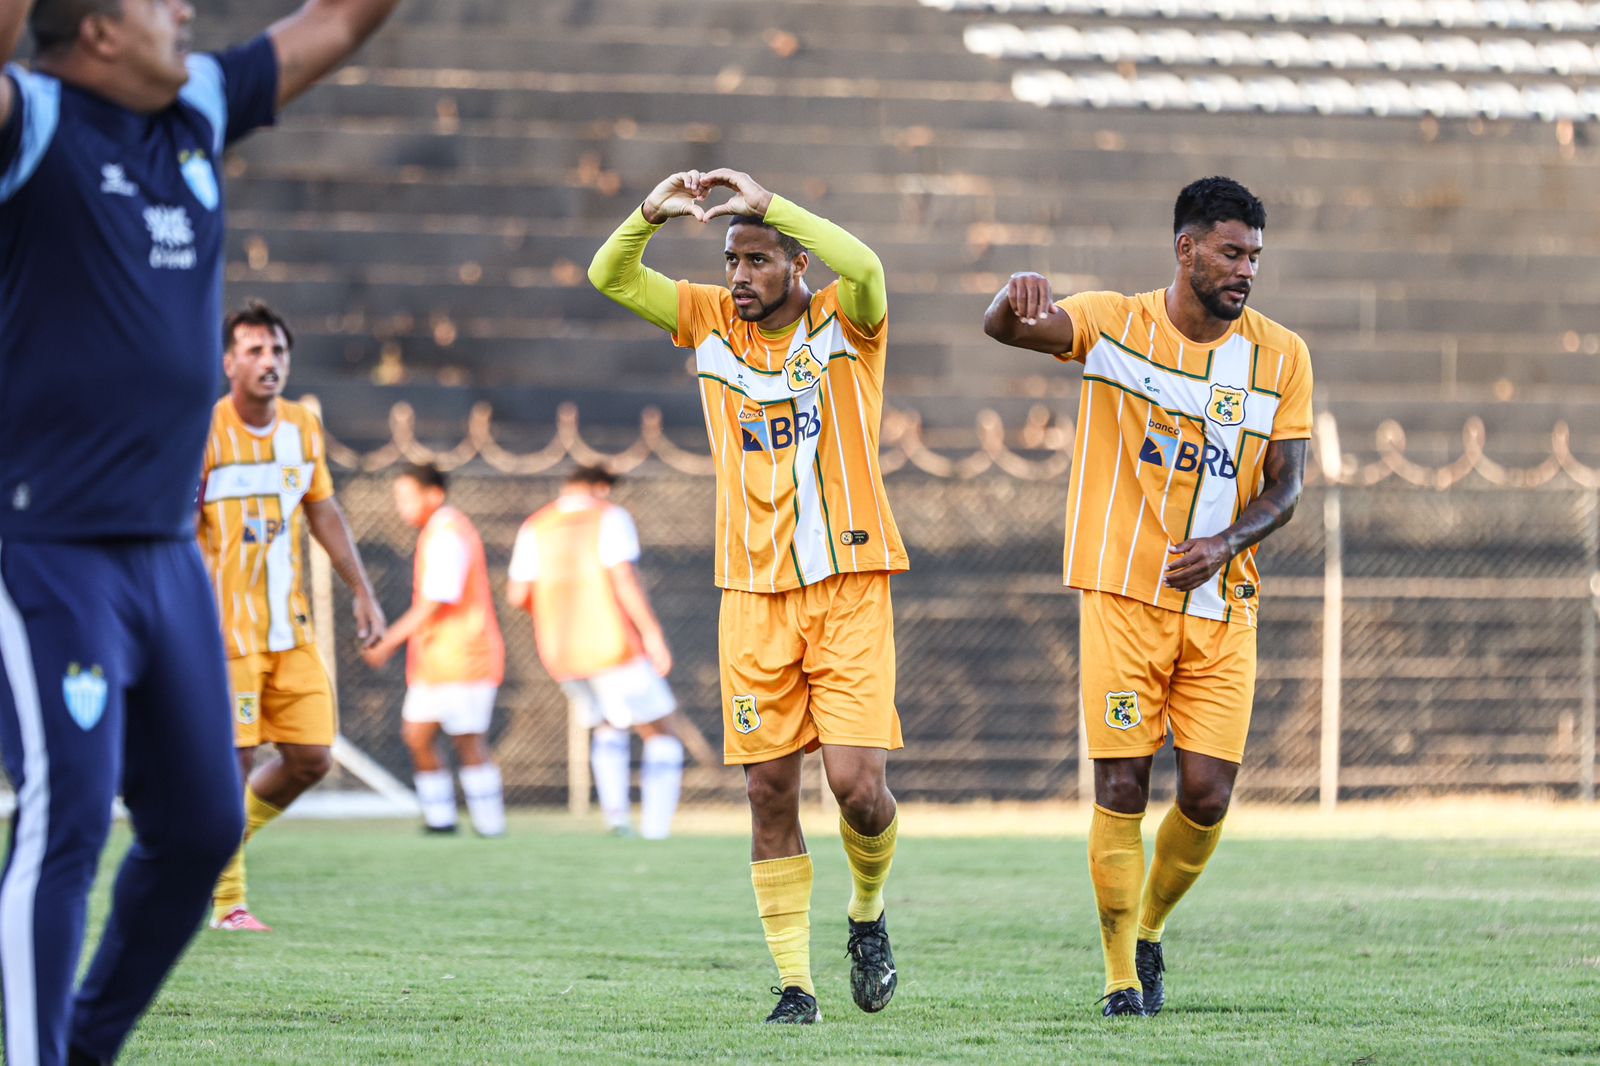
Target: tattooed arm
[1194,562]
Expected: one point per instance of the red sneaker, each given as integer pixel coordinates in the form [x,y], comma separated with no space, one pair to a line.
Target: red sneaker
[240,920]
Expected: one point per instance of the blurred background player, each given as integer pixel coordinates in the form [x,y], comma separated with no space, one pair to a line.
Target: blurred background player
[264,481]
[572,569]
[1195,414]
[455,657]
[111,253]
[792,387]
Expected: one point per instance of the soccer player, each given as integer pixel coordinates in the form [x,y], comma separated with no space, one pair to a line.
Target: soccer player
[264,481]
[1191,449]
[455,657]
[111,254]
[572,569]
[791,382]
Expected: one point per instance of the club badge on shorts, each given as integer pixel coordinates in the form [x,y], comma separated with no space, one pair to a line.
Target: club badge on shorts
[1122,710]
[745,718]
[246,705]
[85,694]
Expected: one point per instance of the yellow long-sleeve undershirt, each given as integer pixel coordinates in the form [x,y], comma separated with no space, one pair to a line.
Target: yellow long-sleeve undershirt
[618,268]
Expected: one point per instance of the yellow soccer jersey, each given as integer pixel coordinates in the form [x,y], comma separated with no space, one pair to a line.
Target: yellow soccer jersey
[252,526]
[1171,441]
[793,425]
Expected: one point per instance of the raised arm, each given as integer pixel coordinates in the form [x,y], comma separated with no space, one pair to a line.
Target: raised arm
[13,16]
[1024,315]
[1194,562]
[619,272]
[320,36]
[863,293]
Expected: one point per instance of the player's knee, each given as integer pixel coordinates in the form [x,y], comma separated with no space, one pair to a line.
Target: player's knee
[771,798]
[76,841]
[309,764]
[859,797]
[1205,803]
[1124,792]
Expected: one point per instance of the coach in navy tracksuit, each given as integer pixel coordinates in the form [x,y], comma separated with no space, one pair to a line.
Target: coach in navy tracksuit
[111,256]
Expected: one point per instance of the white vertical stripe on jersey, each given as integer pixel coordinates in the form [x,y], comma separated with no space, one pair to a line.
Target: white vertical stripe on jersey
[288,453]
[1138,526]
[1127,327]
[1161,560]
[812,546]
[1218,497]
[844,471]
[21,885]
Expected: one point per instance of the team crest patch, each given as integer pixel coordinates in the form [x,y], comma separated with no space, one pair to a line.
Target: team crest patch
[1122,710]
[293,479]
[246,708]
[745,718]
[201,179]
[1226,407]
[85,694]
[803,369]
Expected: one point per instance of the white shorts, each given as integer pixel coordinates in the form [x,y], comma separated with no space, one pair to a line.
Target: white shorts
[461,708]
[624,696]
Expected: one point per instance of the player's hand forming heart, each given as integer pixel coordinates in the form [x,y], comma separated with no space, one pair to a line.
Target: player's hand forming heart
[749,198]
[676,196]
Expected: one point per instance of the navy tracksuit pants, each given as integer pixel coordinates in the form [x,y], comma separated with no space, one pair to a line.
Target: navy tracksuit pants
[113,681]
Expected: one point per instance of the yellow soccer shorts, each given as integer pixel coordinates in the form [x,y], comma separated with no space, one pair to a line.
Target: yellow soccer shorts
[282,697]
[1147,670]
[807,667]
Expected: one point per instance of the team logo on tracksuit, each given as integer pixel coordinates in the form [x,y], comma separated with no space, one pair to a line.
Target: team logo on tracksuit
[85,694]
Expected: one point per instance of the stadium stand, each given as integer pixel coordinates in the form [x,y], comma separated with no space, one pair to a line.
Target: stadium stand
[430,221]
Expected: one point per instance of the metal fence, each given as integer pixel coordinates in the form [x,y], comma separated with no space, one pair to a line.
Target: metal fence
[1464,659]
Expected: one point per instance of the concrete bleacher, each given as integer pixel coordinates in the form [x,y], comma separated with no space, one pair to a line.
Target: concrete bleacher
[426,217]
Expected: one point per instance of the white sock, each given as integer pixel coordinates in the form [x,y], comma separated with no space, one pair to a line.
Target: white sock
[485,800]
[608,755]
[437,794]
[660,781]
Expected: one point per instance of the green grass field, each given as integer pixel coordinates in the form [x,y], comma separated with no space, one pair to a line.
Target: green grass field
[557,944]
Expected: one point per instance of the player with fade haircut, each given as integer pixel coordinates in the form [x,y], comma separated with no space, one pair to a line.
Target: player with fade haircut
[1191,449]
[572,569]
[111,256]
[455,657]
[791,383]
[264,481]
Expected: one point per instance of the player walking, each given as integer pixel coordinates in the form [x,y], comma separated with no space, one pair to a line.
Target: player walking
[455,657]
[111,252]
[264,480]
[572,569]
[791,382]
[1191,449]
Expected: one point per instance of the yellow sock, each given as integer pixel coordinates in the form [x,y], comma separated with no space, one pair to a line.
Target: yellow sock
[870,859]
[230,890]
[783,899]
[1182,850]
[1116,865]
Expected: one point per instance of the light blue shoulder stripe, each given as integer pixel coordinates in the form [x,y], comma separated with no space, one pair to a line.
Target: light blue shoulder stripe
[204,92]
[41,112]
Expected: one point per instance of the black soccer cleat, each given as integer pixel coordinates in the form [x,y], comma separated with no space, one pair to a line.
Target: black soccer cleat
[1149,965]
[872,974]
[795,1007]
[1123,1002]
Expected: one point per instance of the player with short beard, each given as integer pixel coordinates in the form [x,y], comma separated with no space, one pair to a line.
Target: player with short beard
[1191,449]
[791,382]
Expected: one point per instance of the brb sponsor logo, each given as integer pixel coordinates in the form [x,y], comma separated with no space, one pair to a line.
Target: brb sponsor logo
[1163,447]
[778,432]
